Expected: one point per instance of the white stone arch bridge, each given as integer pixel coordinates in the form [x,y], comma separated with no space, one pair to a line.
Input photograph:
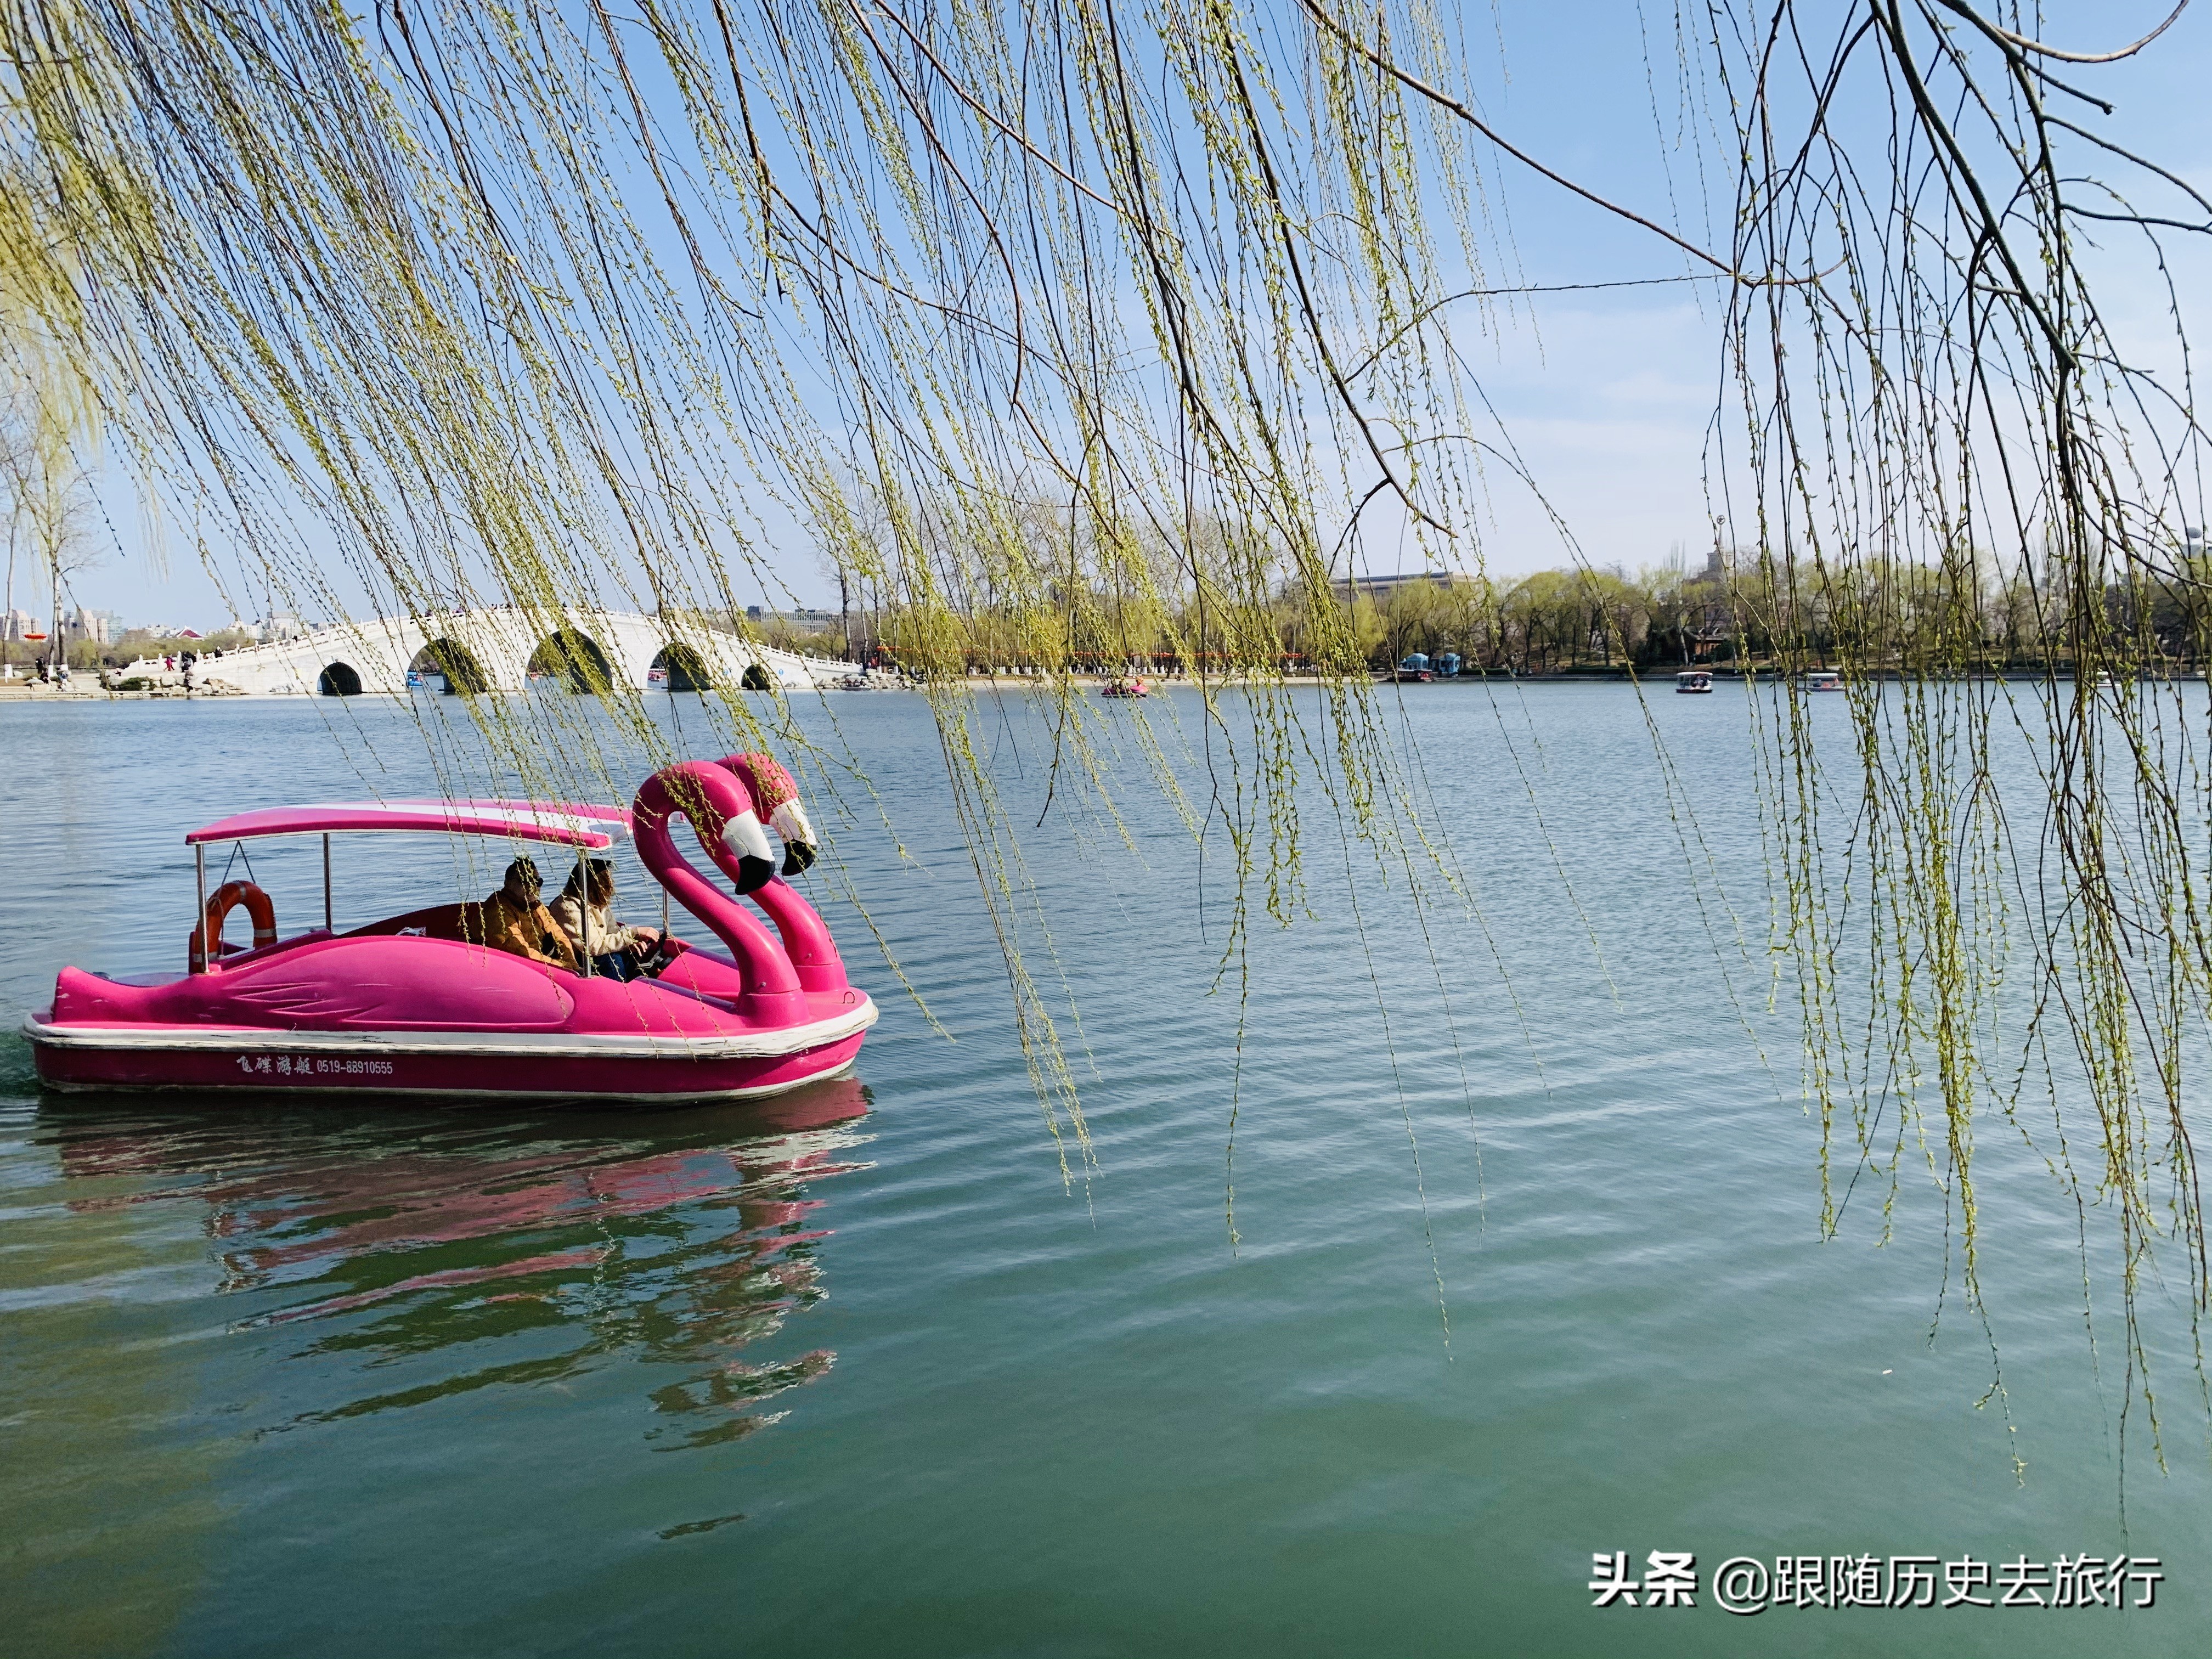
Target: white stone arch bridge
[504,649]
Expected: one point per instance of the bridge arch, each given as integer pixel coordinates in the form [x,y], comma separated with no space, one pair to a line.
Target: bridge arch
[682,668]
[339,679]
[574,659]
[464,674]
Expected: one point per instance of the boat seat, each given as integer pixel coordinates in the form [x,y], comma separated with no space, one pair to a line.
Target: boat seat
[464,922]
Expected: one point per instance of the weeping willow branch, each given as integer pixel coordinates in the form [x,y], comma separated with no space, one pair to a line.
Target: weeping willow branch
[1077,333]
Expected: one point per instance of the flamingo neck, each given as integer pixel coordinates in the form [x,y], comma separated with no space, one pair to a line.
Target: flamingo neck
[807,938]
[773,994]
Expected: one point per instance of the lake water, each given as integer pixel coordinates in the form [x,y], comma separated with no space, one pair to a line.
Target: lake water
[857,1372]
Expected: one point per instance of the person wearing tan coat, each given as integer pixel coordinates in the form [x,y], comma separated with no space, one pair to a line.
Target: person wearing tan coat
[515,919]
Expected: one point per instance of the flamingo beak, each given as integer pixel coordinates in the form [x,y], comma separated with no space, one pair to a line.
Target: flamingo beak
[747,844]
[799,846]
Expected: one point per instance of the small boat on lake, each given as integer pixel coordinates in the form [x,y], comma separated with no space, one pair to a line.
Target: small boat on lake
[419,1003]
[1415,668]
[1694,680]
[1129,688]
[1823,680]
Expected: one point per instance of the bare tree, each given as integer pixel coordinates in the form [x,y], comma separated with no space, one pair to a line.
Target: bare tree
[49,497]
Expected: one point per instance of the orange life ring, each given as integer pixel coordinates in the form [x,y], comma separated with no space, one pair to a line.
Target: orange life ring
[257,908]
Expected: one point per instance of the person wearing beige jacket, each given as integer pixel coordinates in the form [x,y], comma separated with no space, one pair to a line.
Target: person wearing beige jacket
[615,951]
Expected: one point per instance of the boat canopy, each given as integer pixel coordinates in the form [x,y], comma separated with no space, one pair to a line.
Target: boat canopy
[564,824]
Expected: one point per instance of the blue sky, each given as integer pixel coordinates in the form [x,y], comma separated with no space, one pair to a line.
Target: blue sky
[1607,394]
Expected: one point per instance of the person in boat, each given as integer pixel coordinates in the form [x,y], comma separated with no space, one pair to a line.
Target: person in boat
[617,952]
[515,919]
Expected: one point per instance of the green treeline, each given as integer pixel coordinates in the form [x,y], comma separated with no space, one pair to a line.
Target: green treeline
[1742,611]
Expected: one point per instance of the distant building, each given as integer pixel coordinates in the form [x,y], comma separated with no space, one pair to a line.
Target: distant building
[1380,588]
[14,624]
[280,627]
[1709,616]
[803,621]
[96,626]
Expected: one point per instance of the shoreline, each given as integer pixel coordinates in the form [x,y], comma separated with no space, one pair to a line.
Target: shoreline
[88,688]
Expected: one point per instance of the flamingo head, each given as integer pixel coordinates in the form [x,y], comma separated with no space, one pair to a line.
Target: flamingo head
[774,799]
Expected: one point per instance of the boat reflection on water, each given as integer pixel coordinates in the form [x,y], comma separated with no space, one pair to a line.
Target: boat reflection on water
[540,1249]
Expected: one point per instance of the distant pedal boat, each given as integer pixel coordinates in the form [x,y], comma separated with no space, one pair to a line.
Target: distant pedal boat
[1694,682]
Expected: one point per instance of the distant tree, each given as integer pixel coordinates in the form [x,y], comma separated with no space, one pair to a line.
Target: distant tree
[48,489]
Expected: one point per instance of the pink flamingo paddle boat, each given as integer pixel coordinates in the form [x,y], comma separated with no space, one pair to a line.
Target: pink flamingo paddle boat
[417,1004]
